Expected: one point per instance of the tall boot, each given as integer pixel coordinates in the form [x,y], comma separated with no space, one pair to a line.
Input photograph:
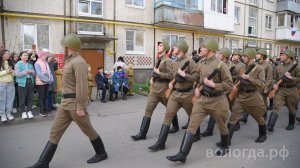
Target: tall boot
[210,128]
[224,146]
[298,119]
[266,115]
[175,127]
[115,96]
[237,126]
[271,104]
[272,121]
[185,148]
[46,156]
[163,135]
[262,134]
[291,122]
[244,119]
[100,151]
[186,125]
[231,130]
[143,130]
[197,135]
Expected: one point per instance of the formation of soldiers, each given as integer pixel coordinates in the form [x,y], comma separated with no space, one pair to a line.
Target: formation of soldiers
[227,86]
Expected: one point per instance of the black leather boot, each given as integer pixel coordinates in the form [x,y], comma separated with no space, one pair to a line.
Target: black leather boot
[298,119]
[197,135]
[163,135]
[271,104]
[100,151]
[291,122]
[186,125]
[210,128]
[244,119]
[185,148]
[224,146]
[237,126]
[272,121]
[175,127]
[262,134]
[231,130]
[46,156]
[143,130]
[266,115]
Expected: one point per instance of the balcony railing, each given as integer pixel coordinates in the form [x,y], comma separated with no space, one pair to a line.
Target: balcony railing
[288,5]
[181,4]
[286,34]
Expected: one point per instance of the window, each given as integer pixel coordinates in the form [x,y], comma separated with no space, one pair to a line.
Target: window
[281,20]
[172,39]
[252,43]
[268,47]
[296,50]
[253,2]
[252,21]
[89,28]
[236,15]
[37,34]
[219,6]
[135,42]
[233,44]
[293,20]
[135,3]
[90,8]
[268,22]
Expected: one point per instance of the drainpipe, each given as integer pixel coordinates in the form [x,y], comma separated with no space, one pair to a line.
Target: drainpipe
[65,16]
[2,21]
[114,30]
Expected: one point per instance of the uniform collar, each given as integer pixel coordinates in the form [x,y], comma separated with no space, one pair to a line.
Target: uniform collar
[69,57]
[209,60]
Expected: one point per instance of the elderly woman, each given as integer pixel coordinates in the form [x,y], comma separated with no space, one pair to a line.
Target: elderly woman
[120,82]
[25,80]
[7,86]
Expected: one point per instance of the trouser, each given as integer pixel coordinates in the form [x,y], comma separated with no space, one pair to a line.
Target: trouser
[50,99]
[63,119]
[7,96]
[103,88]
[288,96]
[54,97]
[90,92]
[152,102]
[16,99]
[26,96]
[176,101]
[43,98]
[219,114]
[130,85]
[256,111]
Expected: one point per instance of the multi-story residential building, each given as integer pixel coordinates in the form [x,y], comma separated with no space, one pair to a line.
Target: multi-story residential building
[131,28]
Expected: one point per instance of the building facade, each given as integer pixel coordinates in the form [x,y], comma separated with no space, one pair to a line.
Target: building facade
[131,28]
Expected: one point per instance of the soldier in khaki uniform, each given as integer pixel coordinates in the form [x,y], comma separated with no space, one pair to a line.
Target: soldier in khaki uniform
[223,54]
[238,65]
[212,102]
[159,87]
[73,105]
[261,57]
[287,91]
[249,98]
[182,93]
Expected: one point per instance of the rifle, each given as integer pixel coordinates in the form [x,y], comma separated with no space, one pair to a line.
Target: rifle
[272,93]
[155,75]
[201,85]
[234,92]
[231,69]
[169,91]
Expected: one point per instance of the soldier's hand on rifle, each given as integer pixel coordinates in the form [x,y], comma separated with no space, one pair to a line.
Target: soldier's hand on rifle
[197,92]
[244,76]
[80,113]
[288,75]
[275,86]
[171,86]
[156,70]
[209,83]
[181,73]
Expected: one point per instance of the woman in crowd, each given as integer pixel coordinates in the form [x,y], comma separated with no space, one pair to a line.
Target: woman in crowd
[120,83]
[53,86]
[7,86]
[42,80]
[120,62]
[25,80]
[15,58]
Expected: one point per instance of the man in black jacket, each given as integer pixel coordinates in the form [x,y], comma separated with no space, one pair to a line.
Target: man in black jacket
[102,83]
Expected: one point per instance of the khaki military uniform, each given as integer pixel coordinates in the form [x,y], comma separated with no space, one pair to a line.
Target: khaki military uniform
[216,106]
[183,91]
[269,80]
[130,75]
[160,86]
[74,80]
[238,67]
[249,98]
[90,84]
[287,92]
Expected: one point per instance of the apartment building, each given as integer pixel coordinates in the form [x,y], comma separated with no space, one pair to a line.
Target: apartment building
[131,28]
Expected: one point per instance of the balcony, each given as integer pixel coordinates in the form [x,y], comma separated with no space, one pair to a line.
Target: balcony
[285,34]
[288,5]
[177,14]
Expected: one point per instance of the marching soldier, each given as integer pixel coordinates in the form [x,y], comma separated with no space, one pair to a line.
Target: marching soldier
[287,91]
[212,102]
[261,58]
[238,65]
[73,106]
[159,87]
[223,55]
[182,94]
[249,98]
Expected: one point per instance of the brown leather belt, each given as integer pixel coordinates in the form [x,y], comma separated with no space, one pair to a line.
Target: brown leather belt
[248,90]
[216,94]
[69,96]
[287,86]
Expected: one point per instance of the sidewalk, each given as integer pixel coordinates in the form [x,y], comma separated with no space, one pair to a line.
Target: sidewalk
[23,141]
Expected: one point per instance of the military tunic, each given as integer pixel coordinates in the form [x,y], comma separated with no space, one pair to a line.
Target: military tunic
[269,80]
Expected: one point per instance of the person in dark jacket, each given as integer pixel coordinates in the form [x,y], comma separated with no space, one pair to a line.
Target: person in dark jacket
[102,83]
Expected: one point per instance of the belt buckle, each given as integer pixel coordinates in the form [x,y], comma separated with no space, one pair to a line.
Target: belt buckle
[206,94]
